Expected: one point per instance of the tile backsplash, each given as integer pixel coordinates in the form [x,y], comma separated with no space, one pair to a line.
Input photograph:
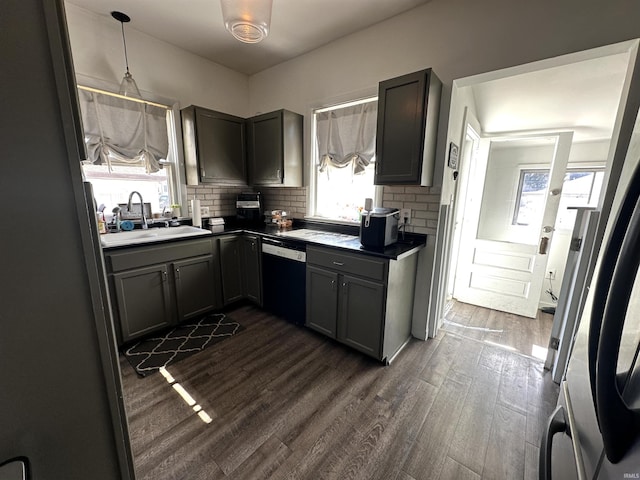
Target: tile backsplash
[424,202]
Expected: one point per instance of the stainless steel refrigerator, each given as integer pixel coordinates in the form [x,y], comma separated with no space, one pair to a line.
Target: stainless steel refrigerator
[594,433]
[61,408]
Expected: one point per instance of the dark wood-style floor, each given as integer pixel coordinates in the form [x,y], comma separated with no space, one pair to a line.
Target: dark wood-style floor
[287,403]
[529,336]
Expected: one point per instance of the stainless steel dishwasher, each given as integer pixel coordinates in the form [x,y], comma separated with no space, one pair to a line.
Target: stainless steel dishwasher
[284,278]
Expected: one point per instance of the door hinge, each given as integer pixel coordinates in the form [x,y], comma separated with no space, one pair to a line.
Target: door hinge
[576,244]
[554,343]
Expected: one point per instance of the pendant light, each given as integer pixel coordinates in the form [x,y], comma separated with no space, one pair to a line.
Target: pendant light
[128,86]
[247,20]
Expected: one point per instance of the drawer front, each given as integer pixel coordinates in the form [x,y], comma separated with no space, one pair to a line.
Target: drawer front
[362,265]
[150,255]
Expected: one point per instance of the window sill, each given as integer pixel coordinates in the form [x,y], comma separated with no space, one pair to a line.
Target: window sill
[331,221]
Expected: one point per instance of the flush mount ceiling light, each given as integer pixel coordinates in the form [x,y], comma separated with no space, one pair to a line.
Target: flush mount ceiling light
[128,86]
[247,20]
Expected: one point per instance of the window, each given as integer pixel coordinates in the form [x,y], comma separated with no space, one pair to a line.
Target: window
[581,188]
[130,146]
[343,160]
[531,198]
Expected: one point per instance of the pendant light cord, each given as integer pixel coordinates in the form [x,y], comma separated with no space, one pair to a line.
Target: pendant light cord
[124,42]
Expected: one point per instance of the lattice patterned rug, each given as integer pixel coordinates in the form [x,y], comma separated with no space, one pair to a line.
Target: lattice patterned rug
[150,354]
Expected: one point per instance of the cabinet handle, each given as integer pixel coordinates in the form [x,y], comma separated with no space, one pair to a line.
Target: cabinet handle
[278,173]
[340,264]
[177,272]
[344,284]
[202,173]
[164,276]
[333,285]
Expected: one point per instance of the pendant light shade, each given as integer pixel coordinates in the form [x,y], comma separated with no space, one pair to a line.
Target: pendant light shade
[247,20]
[128,86]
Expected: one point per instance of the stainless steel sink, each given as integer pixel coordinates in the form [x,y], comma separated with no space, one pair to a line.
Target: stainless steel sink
[136,237]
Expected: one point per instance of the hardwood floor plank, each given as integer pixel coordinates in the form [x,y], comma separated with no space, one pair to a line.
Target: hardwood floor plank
[492,357]
[505,450]
[427,456]
[453,470]
[531,459]
[471,437]
[541,399]
[264,461]
[387,446]
[440,362]
[514,382]
[287,403]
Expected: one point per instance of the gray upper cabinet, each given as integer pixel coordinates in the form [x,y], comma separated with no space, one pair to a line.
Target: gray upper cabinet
[275,149]
[214,147]
[408,109]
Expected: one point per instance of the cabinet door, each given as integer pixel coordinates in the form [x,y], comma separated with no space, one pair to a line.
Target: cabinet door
[322,300]
[251,268]
[401,129]
[221,147]
[195,286]
[361,317]
[266,149]
[231,268]
[143,299]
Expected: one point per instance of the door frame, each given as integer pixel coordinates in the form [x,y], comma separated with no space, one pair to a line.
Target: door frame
[619,145]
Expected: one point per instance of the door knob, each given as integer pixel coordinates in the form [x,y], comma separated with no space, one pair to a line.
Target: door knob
[555,192]
[548,229]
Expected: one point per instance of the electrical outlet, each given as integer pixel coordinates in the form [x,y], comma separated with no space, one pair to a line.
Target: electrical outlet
[551,274]
[405,213]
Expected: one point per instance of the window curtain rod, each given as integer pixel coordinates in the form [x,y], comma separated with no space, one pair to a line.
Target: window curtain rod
[117,95]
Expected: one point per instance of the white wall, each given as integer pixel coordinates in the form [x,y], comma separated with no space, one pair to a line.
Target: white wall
[158,67]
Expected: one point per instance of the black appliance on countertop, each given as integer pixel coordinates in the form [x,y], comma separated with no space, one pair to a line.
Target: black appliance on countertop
[249,208]
[379,227]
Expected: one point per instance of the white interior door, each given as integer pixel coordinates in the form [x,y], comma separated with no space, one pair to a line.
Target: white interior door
[512,202]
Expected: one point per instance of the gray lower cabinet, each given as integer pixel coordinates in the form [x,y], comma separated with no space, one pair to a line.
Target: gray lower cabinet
[143,300]
[195,288]
[231,268]
[362,301]
[240,266]
[153,287]
[252,268]
[322,300]
[361,307]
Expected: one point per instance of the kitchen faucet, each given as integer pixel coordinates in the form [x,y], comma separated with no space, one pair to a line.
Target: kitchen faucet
[142,216]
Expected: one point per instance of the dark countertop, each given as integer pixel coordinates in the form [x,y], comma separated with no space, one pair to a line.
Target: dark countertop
[347,238]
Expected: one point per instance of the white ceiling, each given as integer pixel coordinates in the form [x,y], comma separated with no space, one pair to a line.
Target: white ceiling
[297,26]
[583,97]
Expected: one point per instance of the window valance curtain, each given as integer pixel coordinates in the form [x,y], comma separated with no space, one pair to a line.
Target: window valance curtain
[123,132]
[346,137]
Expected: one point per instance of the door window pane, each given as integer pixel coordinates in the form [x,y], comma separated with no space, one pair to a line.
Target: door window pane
[531,197]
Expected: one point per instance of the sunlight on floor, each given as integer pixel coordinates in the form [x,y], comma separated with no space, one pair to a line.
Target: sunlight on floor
[539,352]
[185,395]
